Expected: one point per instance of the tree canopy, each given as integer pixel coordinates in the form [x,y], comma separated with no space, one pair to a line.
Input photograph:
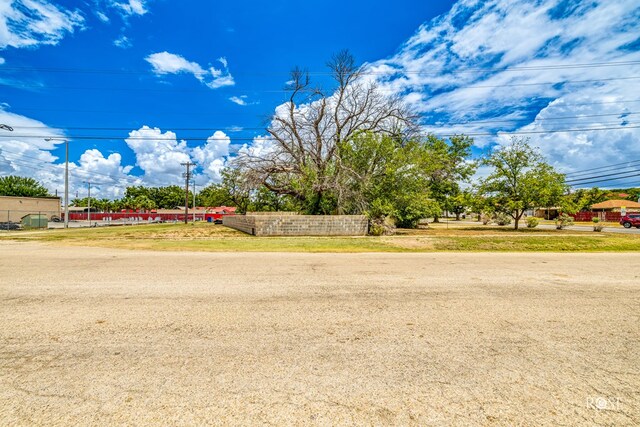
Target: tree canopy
[301,156]
[21,187]
[521,180]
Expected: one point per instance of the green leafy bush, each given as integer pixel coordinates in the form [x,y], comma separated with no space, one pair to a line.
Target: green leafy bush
[596,224]
[563,221]
[532,222]
[502,219]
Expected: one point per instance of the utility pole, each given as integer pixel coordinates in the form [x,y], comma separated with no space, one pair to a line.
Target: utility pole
[194,200]
[187,176]
[66,177]
[89,202]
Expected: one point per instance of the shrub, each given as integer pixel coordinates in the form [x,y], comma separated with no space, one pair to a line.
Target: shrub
[502,219]
[563,221]
[596,224]
[532,222]
[486,219]
[382,227]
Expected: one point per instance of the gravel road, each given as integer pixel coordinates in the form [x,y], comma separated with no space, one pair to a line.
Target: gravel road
[98,336]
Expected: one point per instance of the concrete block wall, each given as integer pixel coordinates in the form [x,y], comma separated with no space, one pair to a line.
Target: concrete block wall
[243,223]
[299,225]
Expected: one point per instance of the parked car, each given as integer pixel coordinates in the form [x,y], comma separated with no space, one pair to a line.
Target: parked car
[630,220]
[9,226]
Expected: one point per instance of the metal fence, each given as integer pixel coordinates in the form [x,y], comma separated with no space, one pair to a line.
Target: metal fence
[13,219]
[603,216]
[33,219]
[135,216]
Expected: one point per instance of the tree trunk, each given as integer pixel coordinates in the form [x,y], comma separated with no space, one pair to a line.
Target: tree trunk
[436,219]
[457,216]
[517,218]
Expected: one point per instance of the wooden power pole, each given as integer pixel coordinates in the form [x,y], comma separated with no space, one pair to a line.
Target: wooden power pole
[187,177]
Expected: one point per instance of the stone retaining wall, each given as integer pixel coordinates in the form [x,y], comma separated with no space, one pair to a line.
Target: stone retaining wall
[298,225]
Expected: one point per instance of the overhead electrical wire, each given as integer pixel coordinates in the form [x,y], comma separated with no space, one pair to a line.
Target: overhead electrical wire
[600,176]
[236,129]
[55,165]
[195,138]
[565,82]
[364,71]
[617,166]
[191,113]
[604,180]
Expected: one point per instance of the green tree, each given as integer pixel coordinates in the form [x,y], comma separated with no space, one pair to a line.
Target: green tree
[447,166]
[19,186]
[521,180]
[383,176]
[238,189]
[213,195]
[301,159]
[163,197]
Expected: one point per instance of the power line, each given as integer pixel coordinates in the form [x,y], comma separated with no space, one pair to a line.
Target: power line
[364,71]
[233,129]
[599,176]
[23,163]
[630,163]
[192,113]
[607,180]
[108,138]
[203,90]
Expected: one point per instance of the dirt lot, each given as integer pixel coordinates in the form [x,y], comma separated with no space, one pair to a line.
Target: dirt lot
[97,336]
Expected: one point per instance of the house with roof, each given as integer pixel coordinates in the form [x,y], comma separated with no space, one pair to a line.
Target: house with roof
[616,206]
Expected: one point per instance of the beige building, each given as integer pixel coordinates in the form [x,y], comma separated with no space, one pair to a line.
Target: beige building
[616,206]
[12,209]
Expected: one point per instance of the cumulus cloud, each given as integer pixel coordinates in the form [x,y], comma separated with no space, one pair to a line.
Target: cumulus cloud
[122,42]
[514,65]
[168,63]
[159,155]
[131,7]
[25,155]
[212,156]
[29,23]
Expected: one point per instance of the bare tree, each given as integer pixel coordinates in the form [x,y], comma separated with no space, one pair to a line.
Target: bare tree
[305,134]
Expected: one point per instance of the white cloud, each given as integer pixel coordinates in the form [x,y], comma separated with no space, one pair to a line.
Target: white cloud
[483,68]
[2,61]
[122,42]
[131,7]
[168,63]
[29,23]
[24,155]
[102,16]
[159,155]
[240,100]
[212,156]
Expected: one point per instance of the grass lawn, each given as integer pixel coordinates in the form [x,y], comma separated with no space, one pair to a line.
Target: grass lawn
[217,238]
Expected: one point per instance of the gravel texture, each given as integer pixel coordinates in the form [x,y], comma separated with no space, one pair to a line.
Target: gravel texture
[95,336]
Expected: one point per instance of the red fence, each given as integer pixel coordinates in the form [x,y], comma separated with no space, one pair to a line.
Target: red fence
[139,216]
[604,216]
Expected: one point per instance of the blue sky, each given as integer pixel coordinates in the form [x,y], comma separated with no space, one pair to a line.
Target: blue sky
[168,82]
